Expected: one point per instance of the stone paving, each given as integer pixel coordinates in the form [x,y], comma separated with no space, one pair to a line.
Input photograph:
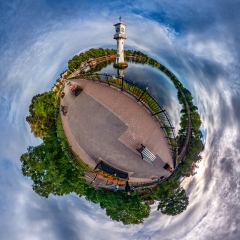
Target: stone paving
[125,126]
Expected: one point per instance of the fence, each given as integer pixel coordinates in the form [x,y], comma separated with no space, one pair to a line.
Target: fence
[66,148]
[145,98]
[150,103]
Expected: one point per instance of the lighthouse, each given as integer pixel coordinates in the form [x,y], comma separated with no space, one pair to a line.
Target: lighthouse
[120,36]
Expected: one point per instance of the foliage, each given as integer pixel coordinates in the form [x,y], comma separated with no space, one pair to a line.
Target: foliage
[76,61]
[101,65]
[172,197]
[50,169]
[42,113]
[119,206]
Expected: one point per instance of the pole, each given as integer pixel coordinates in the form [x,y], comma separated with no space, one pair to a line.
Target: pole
[122,83]
[98,78]
[142,93]
[158,112]
[107,78]
[94,179]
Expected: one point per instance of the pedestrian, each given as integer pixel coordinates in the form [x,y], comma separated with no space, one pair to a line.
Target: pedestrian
[127,188]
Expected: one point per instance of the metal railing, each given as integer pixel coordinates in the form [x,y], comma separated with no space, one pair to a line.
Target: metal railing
[156,110]
[141,95]
[150,103]
[66,147]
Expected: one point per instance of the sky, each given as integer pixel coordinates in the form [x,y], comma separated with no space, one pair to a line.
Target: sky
[197,40]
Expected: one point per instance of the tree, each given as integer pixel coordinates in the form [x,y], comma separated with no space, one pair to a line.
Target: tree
[121,207]
[50,170]
[172,197]
[42,113]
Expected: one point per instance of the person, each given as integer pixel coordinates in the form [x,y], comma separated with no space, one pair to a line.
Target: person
[127,188]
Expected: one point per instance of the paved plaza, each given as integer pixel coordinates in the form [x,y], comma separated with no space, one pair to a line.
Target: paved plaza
[103,123]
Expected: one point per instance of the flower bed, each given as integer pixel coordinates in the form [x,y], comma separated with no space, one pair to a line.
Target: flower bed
[109,177]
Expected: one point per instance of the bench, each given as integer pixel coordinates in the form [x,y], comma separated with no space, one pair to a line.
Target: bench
[146,154]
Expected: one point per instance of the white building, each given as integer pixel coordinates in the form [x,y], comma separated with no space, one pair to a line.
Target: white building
[120,36]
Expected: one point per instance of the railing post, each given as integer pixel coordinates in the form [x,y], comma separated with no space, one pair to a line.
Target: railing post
[94,179]
[98,78]
[158,112]
[108,81]
[142,94]
[106,78]
[122,83]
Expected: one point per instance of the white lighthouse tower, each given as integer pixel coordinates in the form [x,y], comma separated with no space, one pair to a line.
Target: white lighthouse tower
[120,36]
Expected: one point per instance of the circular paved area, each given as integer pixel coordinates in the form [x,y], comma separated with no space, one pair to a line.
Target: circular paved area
[103,123]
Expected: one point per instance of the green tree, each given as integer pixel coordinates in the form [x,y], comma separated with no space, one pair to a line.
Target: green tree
[172,197]
[50,170]
[42,113]
[121,207]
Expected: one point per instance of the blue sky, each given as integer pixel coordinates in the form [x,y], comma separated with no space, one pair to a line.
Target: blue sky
[197,40]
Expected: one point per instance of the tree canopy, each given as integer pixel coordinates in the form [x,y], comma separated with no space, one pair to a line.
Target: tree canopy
[172,198]
[76,61]
[119,206]
[42,113]
[50,169]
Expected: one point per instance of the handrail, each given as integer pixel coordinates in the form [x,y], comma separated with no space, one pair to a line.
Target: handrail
[159,113]
[149,102]
[68,151]
[103,78]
